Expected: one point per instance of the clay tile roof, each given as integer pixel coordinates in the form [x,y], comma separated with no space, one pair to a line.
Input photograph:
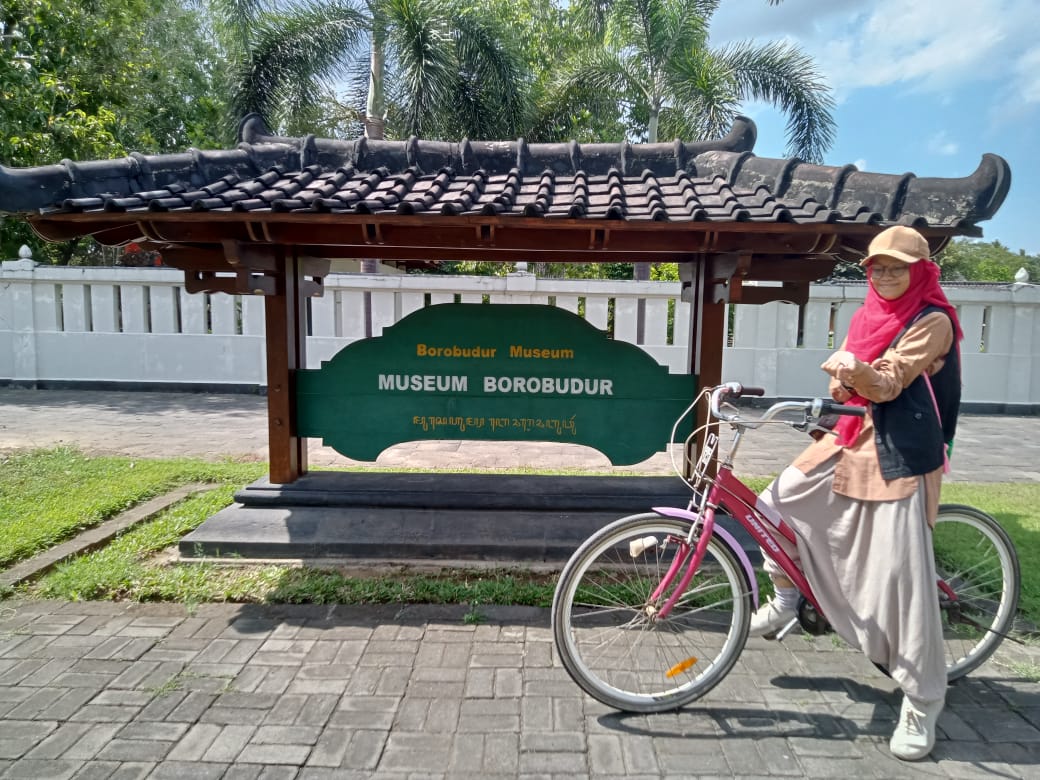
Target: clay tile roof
[712,181]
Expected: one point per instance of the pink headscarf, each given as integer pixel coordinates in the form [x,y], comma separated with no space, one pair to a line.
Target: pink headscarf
[879,320]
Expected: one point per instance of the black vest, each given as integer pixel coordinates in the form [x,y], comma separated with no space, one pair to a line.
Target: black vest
[909,439]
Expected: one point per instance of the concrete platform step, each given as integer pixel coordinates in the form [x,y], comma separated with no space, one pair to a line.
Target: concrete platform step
[433,517]
[468,491]
[392,533]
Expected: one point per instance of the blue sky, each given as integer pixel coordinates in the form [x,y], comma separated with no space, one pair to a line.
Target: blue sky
[925,86]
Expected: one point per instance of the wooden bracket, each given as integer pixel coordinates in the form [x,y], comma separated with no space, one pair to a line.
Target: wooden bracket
[726,273]
[485,235]
[599,238]
[245,269]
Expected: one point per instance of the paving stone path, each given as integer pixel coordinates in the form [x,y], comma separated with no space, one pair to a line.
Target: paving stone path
[101,690]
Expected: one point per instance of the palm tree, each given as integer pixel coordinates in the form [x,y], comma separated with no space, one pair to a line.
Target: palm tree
[653,56]
[450,71]
[282,61]
[419,67]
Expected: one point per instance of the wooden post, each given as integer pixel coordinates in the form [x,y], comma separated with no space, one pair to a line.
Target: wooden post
[707,338]
[285,316]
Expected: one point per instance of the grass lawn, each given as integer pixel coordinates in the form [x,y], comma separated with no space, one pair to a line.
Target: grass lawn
[48,495]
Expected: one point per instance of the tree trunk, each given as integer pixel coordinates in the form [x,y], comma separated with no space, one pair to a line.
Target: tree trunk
[375,124]
[375,110]
[641,271]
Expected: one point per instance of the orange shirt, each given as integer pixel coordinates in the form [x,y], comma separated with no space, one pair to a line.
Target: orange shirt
[857,473]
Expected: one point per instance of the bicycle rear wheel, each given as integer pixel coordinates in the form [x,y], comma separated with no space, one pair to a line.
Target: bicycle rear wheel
[975,558]
[609,637]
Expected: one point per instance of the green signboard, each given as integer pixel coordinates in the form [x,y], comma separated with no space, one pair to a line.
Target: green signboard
[502,372]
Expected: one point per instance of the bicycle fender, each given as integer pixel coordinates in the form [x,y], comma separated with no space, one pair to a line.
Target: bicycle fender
[726,537]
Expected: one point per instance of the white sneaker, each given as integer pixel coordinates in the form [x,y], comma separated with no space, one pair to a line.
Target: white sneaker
[914,736]
[770,618]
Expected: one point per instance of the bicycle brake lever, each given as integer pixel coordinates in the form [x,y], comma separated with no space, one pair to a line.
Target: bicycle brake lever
[814,428]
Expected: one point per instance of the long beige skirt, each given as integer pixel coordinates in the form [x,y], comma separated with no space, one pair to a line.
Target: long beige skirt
[872,569]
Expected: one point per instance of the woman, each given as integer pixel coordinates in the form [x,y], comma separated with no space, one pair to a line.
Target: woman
[863,502]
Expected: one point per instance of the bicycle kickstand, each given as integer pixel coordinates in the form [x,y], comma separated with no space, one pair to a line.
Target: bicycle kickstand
[783,632]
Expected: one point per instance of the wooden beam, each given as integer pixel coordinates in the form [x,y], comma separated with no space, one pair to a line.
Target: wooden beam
[286,339]
[487,232]
[789,269]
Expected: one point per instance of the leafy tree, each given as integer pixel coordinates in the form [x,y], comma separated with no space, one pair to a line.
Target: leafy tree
[976,261]
[89,80]
[543,33]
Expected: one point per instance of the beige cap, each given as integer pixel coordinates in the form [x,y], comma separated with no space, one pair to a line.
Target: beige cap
[898,242]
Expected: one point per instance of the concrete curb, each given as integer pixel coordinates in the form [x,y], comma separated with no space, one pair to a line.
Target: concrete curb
[96,537]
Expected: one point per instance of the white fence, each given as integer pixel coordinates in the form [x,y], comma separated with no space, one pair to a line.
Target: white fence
[138,325]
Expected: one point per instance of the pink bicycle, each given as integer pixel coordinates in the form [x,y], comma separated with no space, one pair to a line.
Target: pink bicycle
[652,611]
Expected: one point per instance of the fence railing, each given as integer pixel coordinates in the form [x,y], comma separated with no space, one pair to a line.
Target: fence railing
[138,325]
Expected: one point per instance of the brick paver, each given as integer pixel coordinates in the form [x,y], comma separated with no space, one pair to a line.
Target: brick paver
[316,692]
[254,692]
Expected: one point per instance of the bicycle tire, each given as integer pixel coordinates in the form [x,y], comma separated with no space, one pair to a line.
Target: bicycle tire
[607,637]
[976,558]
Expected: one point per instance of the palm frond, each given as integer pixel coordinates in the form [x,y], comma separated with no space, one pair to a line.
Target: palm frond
[297,53]
[591,16]
[783,75]
[233,21]
[491,72]
[418,35]
[603,70]
[703,97]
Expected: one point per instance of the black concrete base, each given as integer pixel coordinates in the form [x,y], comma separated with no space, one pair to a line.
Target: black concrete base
[429,517]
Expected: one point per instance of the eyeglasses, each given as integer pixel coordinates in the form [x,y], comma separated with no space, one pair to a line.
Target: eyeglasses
[895,271]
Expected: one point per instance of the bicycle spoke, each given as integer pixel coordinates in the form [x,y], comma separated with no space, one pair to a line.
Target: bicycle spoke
[977,562]
[614,642]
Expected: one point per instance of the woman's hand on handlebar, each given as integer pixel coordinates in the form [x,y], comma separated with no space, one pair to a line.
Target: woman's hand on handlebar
[838,391]
[841,365]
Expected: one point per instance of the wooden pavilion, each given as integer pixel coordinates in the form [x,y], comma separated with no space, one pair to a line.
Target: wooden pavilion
[265,218]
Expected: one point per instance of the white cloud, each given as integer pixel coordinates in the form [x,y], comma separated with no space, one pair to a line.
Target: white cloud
[941,144]
[925,45]
[861,164]
[1027,76]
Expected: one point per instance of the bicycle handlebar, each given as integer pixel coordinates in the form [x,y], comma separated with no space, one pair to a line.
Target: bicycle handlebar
[812,408]
[833,408]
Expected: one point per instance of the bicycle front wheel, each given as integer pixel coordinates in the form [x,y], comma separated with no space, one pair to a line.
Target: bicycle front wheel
[610,637]
[977,561]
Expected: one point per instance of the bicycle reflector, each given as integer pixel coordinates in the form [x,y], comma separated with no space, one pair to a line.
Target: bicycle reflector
[681,667]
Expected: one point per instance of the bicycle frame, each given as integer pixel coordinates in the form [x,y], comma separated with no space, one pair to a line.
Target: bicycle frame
[737,500]
[727,492]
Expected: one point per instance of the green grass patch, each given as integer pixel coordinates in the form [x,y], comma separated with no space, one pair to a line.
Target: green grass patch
[1016,506]
[126,570]
[48,496]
